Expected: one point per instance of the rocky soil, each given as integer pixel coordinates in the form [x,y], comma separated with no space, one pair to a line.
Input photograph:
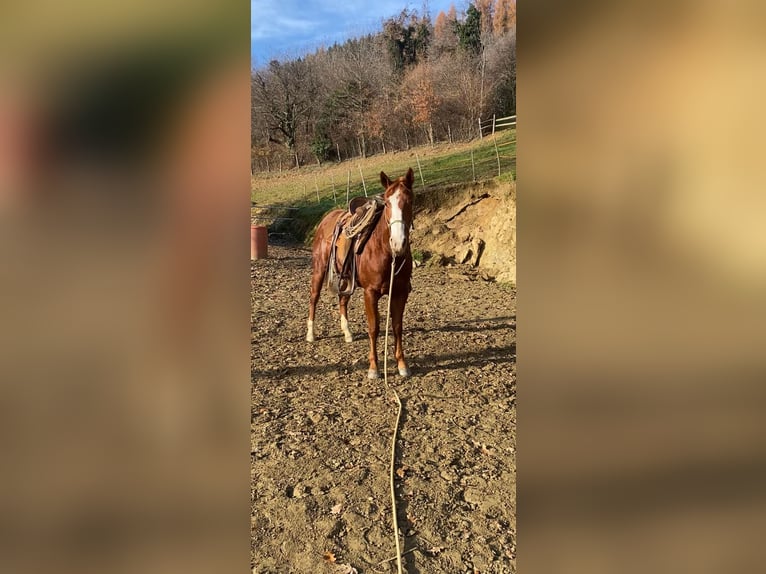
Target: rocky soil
[321,431]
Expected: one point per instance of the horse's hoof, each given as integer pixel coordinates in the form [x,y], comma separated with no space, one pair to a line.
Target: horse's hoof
[405,372]
[310,331]
[373,374]
[347,334]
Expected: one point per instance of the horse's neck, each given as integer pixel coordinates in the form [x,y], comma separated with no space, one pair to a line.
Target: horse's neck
[381,236]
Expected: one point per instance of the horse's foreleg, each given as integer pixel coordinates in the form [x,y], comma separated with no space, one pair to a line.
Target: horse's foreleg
[371,310]
[343,305]
[317,278]
[397,316]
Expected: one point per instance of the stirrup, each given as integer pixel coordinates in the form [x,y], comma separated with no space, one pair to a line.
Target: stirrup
[350,282]
[334,279]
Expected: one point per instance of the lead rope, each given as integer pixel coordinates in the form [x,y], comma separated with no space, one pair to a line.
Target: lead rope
[396,426]
[400,266]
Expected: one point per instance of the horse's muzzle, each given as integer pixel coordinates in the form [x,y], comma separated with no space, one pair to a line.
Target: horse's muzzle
[398,240]
[398,250]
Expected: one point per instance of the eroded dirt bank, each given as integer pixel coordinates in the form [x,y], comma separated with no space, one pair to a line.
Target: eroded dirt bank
[477,226]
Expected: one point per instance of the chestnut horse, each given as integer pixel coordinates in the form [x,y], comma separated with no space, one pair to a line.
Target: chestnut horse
[389,241]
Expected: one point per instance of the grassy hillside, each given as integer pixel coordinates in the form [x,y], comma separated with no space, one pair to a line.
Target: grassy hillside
[443,167]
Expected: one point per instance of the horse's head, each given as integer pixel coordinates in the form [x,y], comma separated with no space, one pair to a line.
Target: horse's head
[398,210]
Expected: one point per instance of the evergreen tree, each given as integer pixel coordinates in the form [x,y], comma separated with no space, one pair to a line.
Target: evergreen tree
[469,31]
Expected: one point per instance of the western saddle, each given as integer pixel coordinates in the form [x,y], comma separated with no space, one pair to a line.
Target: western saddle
[351,233]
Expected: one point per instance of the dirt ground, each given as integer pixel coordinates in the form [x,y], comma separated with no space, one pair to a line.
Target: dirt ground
[321,431]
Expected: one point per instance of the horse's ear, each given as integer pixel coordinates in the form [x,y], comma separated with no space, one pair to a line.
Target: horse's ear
[409,178]
[384,180]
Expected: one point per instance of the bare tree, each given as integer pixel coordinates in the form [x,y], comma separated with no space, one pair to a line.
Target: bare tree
[284,95]
[458,80]
[411,82]
[356,79]
[501,70]
[504,18]
[420,96]
[445,40]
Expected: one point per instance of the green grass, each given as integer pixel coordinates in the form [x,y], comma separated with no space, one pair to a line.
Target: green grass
[418,255]
[445,168]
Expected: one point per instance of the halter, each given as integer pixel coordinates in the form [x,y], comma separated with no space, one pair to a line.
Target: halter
[390,224]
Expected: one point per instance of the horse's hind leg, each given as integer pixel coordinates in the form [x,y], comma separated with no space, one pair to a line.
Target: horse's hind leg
[343,305]
[373,326]
[317,278]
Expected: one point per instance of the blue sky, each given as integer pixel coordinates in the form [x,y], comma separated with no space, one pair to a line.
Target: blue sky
[290,28]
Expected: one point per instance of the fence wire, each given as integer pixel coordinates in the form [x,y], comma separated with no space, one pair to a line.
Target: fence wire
[275,195]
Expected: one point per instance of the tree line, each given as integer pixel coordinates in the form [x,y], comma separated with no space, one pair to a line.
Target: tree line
[415,81]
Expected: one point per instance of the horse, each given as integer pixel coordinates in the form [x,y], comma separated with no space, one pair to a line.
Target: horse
[389,242]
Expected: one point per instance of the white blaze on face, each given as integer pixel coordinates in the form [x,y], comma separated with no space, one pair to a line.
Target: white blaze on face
[396,225]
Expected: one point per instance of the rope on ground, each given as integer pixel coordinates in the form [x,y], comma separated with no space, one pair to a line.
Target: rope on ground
[396,426]
[387,560]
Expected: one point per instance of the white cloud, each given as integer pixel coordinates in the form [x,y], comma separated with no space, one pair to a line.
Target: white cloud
[275,18]
[279,26]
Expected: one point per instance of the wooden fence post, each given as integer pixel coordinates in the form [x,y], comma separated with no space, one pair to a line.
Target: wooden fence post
[481,136]
[417,158]
[334,197]
[364,185]
[497,153]
[316,186]
[493,124]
